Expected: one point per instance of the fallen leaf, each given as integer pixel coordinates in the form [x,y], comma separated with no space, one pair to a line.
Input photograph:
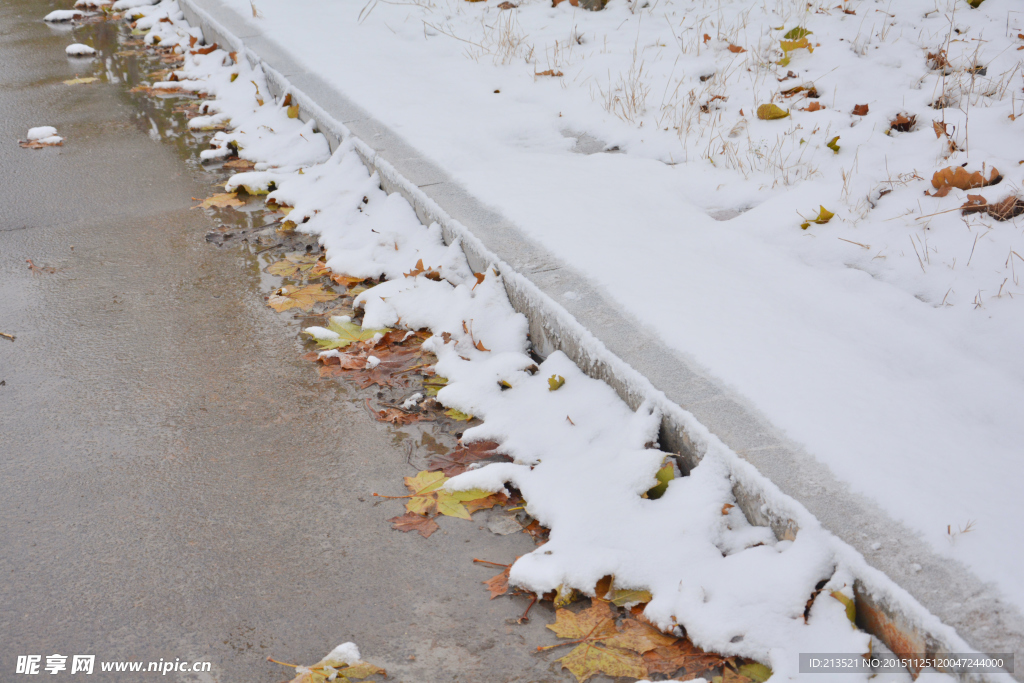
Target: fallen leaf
[736,48]
[205,50]
[498,585]
[506,5]
[428,273]
[39,144]
[813,106]
[596,621]
[958,177]
[833,144]
[975,204]
[628,598]
[797,33]
[221,201]
[851,607]
[549,72]
[339,333]
[459,460]
[664,475]
[726,507]
[293,111]
[398,417]
[755,671]
[639,637]
[332,669]
[432,385]
[682,656]
[487,503]
[537,531]
[770,112]
[458,415]
[590,659]
[294,264]
[303,298]
[81,81]
[428,496]
[824,216]
[412,522]
[555,382]
[1008,208]
[860,110]
[240,164]
[903,123]
[706,38]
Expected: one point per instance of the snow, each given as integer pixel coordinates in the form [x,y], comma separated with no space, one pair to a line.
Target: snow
[345,654]
[62,15]
[886,342]
[41,132]
[79,50]
[46,135]
[581,458]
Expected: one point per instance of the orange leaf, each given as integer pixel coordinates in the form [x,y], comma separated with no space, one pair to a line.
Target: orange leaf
[860,110]
[736,48]
[706,38]
[498,585]
[813,106]
[410,521]
[205,50]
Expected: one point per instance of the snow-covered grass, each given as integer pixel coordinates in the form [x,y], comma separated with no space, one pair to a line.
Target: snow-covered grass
[885,341]
[582,459]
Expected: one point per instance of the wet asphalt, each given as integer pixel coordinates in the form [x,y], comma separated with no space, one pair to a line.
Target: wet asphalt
[175,482]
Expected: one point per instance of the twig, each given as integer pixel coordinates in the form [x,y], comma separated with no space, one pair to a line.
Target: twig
[494,564]
[866,246]
[7,336]
[972,248]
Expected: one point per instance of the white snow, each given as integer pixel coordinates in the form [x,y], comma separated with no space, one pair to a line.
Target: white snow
[79,50]
[41,132]
[62,15]
[887,342]
[46,135]
[581,457]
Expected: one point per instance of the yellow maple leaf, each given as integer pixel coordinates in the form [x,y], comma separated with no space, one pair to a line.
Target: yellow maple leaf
[302,298]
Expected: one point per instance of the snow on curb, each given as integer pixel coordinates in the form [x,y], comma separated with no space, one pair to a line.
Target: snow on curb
[581,456]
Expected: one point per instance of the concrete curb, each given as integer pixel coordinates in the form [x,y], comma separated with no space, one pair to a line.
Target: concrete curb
[906,581]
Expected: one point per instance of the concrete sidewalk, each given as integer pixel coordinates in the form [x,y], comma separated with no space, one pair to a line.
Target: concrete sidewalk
[631,359]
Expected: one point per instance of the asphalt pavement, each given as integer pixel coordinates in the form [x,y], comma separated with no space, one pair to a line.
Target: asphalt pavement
[176,482]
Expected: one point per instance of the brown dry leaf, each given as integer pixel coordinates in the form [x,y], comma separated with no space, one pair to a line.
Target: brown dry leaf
[538,531]
[726,507]
[498,585]
[958,177]
[549,72]
[347,281]
[813,106]
[413,522]
[394,363]
[939,128]
[205,50]
[1008,208]
[736,48]
[459,460]
[903,123]
[975,204]
[639,637]
[397,417]
[506,5]
[486,503]
[681,655]
[556,3]
[240,164]
[706,38]
[303,298]
[220,201]
[39,144]
[428,273]
[860,110]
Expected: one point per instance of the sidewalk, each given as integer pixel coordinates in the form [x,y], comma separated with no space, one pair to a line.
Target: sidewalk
[565,220]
